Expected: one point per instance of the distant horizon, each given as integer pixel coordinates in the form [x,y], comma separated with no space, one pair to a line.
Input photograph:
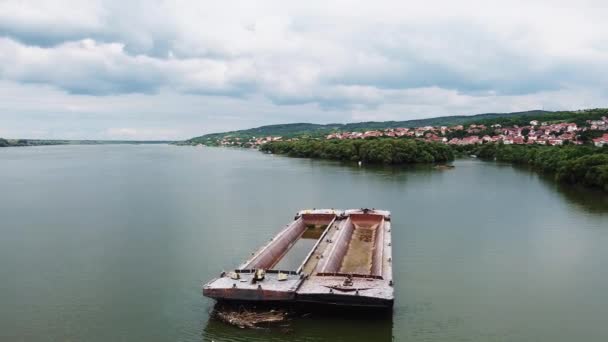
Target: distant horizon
[285,123]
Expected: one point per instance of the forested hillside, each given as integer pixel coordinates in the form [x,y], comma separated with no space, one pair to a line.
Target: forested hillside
[303,130]
[317,130]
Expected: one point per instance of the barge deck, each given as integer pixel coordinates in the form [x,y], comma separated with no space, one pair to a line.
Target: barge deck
[326,257]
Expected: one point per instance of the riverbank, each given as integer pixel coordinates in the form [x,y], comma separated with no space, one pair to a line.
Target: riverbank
[41,142]
[573,164]
[586,165]
[29,142]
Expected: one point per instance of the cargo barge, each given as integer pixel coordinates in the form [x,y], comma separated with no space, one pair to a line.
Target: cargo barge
[323,257]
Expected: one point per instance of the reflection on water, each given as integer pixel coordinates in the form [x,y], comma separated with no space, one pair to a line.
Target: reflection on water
[594,201]
[310,326]
[591,200]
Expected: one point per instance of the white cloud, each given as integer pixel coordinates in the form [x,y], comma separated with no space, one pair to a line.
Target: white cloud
[334,61]
[88,67]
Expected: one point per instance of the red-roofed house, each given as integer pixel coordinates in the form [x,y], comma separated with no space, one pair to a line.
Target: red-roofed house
[519,140]
[601,141]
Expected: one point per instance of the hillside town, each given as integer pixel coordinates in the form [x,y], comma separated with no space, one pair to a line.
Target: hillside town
[540,133]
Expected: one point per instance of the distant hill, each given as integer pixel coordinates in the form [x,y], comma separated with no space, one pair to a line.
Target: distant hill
[440,121]
[317,130]
[310,129]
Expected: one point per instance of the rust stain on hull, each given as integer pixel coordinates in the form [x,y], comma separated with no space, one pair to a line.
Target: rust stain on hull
[350,263]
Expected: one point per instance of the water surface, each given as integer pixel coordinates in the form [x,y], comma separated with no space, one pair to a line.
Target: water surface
[112,243]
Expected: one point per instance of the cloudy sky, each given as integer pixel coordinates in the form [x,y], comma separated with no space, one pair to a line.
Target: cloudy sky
[130,69]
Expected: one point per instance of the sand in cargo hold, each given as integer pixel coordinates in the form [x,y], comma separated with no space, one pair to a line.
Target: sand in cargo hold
[358,258]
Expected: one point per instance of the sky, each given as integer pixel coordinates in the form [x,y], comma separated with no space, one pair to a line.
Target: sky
[141,70]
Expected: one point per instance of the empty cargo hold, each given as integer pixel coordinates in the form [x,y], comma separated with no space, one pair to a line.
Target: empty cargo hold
[288,250]
[324,256]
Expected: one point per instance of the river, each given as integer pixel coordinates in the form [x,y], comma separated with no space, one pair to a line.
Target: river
[112,243]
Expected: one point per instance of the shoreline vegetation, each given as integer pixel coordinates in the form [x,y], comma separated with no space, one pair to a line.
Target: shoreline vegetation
[29,142]
[586,165]
[372,151]
[42,142]
[566,145]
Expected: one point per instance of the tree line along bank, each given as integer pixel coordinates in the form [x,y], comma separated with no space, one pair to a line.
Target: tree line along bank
[574,164]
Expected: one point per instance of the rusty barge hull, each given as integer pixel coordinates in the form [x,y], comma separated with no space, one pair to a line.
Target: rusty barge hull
[324,257]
